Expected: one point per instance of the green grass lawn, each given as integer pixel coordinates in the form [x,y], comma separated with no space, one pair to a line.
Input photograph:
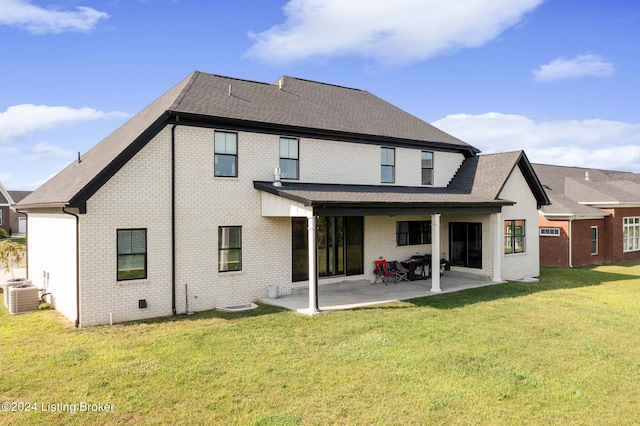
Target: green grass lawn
[563,351]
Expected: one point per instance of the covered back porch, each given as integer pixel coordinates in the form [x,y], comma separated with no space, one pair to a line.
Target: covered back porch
[314,202]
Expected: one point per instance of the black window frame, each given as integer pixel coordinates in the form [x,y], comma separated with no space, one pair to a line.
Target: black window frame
[511,238]
[414,232]
[220,155]
[387,164]
[122,256]
[222,248]
[352,248]
[289,158]
[426,169]
[465,244]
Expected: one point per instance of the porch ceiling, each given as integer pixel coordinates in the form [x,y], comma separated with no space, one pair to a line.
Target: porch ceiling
[380,200]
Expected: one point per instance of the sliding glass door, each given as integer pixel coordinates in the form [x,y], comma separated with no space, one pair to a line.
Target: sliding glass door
[340,246]
[465,244]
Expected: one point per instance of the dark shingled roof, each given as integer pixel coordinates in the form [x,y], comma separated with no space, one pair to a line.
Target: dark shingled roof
[289,103]
[478,183]
[574,189]
[18,195]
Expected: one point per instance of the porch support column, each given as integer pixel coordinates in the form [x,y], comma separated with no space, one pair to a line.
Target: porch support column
[313,265]
[435,253]
[498,248]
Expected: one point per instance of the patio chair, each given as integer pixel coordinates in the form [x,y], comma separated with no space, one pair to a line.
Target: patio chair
[382,271]
[398,272]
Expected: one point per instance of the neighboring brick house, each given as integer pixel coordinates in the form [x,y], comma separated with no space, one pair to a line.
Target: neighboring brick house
[17,220]
[186,193]
[5,209]
[594,216]
[10,220]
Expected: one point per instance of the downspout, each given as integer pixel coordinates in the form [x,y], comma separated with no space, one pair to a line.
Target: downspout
[77,324]
[24,212]
[173,216]
[570,245]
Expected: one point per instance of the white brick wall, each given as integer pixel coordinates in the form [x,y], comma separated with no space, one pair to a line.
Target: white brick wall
[527,264]
[139,196]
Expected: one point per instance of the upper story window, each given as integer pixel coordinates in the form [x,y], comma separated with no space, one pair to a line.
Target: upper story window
[514,234]
[289,157]
[132,254]
[631,234]
[388,165]
[226,154]
[427,168]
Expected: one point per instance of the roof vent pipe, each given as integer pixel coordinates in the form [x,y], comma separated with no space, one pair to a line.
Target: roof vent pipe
[280,83]
[229,89]
[79,160]
[276,177]
[586,175]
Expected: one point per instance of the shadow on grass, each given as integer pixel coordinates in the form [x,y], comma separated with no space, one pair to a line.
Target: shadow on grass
[550,279]
[261,310]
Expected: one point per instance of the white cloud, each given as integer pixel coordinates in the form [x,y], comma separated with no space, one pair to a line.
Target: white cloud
[594,143]
[392,33]
[38,20]
[580,66]
[48,150]
[18,120]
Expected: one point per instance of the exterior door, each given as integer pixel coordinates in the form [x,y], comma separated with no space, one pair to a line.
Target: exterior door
[465,244]
[340,246]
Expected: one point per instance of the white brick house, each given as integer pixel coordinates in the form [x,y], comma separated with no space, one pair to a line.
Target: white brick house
[179,203]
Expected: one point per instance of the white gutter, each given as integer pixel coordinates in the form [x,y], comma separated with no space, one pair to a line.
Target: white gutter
[572,216]
[609,204]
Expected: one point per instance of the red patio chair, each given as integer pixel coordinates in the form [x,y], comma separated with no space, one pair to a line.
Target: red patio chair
[381,272]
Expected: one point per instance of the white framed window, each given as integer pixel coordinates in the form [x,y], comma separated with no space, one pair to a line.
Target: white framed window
[630,234]
[549,232]
[594,240]
[1,217]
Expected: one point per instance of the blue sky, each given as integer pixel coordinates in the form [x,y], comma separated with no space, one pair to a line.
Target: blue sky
[557,78]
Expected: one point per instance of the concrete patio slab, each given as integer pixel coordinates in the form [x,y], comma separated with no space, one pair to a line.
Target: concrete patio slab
[353,294]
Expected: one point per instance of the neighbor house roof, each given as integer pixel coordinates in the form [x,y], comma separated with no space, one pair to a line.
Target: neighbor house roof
[290,105]
[578,192]
[17,196]
[5,196]
[475,188]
